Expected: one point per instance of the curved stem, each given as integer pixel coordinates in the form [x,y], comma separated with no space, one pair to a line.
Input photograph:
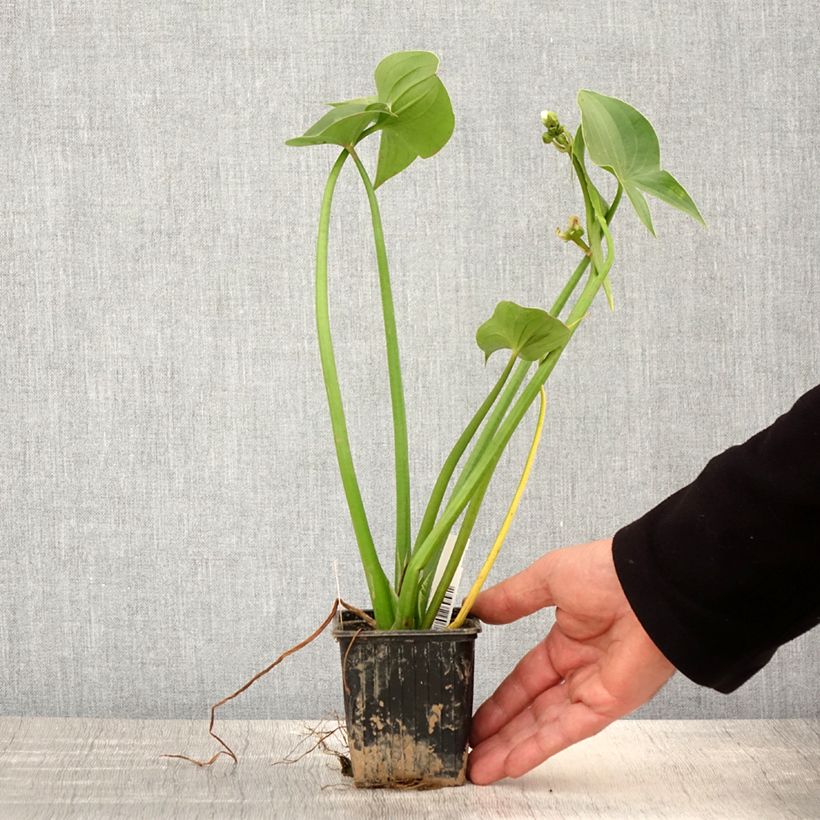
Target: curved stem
[523,368]
[489,458]
[400,445]
[377,582]
[508,519]
[449,466]
[464,533]
[494,420]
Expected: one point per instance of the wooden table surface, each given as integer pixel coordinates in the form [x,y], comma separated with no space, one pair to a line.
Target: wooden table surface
[71,767]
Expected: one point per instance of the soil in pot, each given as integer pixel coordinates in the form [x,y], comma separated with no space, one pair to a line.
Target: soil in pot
[408,703]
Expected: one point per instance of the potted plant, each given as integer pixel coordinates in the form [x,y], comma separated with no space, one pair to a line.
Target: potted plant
[407,665]
[408,686]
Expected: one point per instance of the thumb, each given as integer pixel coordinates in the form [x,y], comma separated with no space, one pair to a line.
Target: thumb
[519,595]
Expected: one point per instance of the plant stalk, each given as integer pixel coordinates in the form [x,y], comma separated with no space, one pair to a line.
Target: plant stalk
[515,383]
[464,533]
[467,605]
[449,466]
[487,460]
[400,444]
[377,583]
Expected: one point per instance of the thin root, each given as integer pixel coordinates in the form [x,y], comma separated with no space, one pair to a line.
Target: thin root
[321,743]
[226,750]
[320,736]
[344,660]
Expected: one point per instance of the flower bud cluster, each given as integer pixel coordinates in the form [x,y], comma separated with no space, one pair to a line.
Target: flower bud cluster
[573,232]
[555,134]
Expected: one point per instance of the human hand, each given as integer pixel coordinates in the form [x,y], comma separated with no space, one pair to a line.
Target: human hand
[595,665]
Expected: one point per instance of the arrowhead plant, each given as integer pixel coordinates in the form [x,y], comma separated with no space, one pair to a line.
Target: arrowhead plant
[409,112]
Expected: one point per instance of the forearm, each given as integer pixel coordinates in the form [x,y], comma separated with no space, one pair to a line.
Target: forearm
[728,568]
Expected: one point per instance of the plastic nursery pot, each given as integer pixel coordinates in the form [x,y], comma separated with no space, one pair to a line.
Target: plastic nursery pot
[408,703]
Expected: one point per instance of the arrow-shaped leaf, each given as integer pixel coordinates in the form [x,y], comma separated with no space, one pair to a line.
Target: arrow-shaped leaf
[411,109]
[530,333]
[622,141]
[423,121]
[343,124]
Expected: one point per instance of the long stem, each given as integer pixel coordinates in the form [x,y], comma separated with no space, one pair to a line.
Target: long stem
[488,432]
[464,533]
[503,405]
[489,429]
[400,445]
[488,459]
[508,519]
[377,582]
[462,496]
[449,466]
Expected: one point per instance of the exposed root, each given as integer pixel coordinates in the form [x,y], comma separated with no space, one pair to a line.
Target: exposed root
[321,738]
[345,765]
[344,759]
[226,750]
[403,785]
[344,659]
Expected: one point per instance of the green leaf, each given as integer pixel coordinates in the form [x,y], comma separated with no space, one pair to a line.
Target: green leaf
[530,333]
[411,108]
[394,156]
[400,72]
[423,121]
[622,141]
[343,124]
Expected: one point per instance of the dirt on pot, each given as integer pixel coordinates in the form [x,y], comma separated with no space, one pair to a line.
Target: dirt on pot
[408,703]
[395,759]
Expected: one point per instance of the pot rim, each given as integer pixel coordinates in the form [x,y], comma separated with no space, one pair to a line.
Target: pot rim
[351,622]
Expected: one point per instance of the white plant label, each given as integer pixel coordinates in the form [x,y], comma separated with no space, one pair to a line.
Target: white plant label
[445,611]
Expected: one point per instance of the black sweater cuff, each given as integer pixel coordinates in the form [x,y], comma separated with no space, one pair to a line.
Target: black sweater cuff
[727,569]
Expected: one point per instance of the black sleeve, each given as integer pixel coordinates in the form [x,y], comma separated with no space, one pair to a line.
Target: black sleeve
[727,569]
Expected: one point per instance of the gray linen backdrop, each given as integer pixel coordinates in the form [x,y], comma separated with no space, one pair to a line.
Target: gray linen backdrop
[171,508]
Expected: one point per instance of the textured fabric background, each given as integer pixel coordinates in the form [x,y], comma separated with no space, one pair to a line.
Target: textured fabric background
[170,503]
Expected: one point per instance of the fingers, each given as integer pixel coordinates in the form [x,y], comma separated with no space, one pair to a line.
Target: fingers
[519,595]
[533,674]
[550,725]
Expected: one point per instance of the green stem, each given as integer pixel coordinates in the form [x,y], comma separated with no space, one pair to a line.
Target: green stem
[480,446]
[570,286]
[377,583]
[400,445]
[488,459]
[518,378]
[449,466]
[489,429]
[488,432]
[464,533]
[461,497]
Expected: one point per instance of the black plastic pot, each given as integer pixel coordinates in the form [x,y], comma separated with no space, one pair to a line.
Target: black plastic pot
[408,703]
